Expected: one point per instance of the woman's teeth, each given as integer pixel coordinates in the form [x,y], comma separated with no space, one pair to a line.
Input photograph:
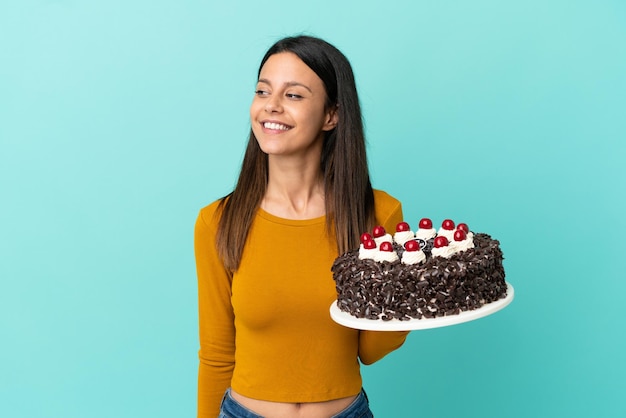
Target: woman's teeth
[275,126]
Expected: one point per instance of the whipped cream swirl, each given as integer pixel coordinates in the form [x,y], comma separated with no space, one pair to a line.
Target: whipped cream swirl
[413,257]
[380,240]
[444,252]
[367,253]
[403,236]
[466,244]
[390,256]
[425,233]
[448,233]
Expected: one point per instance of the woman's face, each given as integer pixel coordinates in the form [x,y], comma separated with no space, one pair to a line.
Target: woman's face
[288,113]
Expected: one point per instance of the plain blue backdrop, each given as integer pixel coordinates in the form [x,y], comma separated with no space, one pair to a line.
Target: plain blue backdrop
[119,120]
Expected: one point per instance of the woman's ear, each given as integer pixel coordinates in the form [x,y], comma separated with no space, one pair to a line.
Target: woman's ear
[332,117]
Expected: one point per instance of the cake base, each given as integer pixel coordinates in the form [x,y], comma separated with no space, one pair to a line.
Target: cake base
[438,287]
[347,320]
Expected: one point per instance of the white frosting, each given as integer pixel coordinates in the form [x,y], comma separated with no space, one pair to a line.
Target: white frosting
[390,256]
[380,240]
[367,253]
[444,252]
[448,233]
[466,244]
[425,233]
[403,236]
[413,257]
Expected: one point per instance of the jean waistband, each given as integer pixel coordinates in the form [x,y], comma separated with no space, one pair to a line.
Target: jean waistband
[230,408]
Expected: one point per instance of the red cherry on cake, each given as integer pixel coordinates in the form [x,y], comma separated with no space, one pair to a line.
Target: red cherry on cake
[463,226]
[402,227]
[426,223]
[448,225]
[365,236]
[379,231]
[412,245]
[386,246]
[441,241]
[459,235]
[369,244]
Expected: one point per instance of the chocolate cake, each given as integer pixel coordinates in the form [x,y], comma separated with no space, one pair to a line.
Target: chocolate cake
[450,278]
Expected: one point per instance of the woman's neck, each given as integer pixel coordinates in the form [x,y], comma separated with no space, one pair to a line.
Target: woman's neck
[294,190]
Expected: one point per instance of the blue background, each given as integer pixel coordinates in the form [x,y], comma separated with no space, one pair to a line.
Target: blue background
[120,119]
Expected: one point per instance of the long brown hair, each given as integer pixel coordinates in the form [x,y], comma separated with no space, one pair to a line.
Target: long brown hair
[349,198]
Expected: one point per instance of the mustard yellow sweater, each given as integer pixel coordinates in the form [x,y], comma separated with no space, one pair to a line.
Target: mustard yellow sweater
[265,329]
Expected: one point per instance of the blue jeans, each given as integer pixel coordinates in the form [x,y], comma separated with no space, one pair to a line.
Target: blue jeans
[359,408]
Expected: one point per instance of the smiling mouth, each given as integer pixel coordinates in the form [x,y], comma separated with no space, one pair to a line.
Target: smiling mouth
[276,126]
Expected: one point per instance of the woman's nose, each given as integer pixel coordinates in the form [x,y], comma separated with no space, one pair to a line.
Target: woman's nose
[273,105]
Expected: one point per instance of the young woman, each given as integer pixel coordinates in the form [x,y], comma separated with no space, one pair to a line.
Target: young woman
[268,347]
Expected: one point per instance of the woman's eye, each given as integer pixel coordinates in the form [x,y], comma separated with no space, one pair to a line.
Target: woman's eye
[260,92]
[293,96]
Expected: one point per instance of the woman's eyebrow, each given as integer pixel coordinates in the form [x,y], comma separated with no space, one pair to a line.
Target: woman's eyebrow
[288,84]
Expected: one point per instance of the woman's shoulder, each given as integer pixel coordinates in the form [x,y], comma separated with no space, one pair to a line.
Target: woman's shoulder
[385,202]
[388,209]
[210,213]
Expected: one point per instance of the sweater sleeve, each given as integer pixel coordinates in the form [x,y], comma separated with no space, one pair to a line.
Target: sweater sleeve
[374,345]
[216,318]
